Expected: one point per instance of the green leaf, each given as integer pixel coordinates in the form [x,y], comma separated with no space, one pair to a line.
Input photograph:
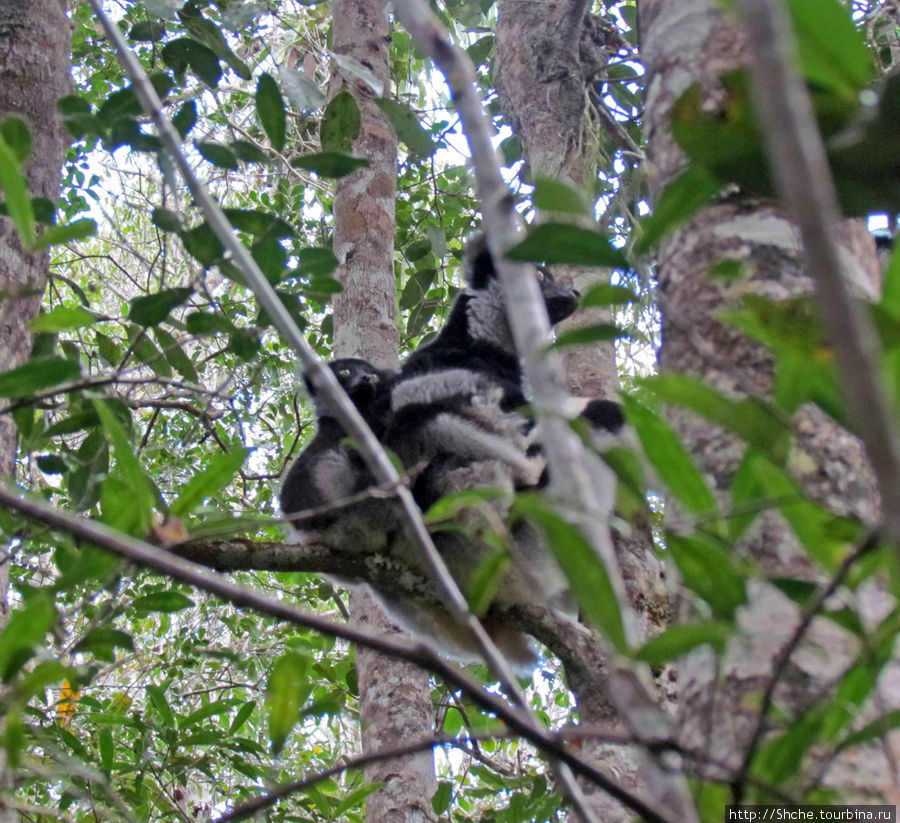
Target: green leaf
[301,89]
[708,569]
[669,458]
[247,152]
[209,35]
[562,243]
[259,223]
[185,118]
[677,641]
[582,567]
[15,193]
[154,308]
[62,318]
[725,143]
[486,578]
[65,233]
[130,505]
[440,800]
[316,262]
[408,128]
[52,464]
[832,50]
[270,110]
[330,163]
[286,692]
[175,355]
[205,484]
[156,698]
[594,333]
[103,642]
[185,52]
[199,322]
[554,195]
[38,373]
[27,627]
[753,420]
[107,747]
[683,197]
[14,130]
[147,31]
[341,123]
[826,537]
[606,294]
[201,243]
[167,602]
[218,154]
[166,220]
[242,716]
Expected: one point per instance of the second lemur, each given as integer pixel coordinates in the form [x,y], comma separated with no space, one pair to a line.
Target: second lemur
[328,470]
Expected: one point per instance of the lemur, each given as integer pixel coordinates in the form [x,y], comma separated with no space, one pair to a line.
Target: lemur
[328,470]
[456,410]
[458,398]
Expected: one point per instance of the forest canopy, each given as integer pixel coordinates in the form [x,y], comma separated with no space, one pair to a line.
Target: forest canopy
[194,217]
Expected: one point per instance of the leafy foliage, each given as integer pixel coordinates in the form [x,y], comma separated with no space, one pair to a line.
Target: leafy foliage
[159,400]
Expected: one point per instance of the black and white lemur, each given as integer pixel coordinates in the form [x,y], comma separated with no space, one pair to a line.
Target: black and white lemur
[454,417]
[329,471]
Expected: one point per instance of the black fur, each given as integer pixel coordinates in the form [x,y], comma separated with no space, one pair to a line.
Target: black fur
[329,470]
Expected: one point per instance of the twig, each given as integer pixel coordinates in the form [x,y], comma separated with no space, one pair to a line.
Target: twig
[803,179]
[784,656]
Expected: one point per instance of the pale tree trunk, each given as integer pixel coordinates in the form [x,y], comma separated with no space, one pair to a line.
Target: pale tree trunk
[686,42]
[395,699]
[548,56]
[34,74]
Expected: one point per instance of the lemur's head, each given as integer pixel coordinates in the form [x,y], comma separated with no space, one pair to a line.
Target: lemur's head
[367,386]
[486,307]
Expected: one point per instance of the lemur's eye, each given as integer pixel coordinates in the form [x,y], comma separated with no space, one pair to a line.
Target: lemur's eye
[344,373]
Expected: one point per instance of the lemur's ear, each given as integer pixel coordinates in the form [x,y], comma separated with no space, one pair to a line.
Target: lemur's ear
[478,265]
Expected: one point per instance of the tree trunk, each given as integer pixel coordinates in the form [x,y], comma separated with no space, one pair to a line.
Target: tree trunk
[34,74]
[548,55]
[685,42]
[395,698]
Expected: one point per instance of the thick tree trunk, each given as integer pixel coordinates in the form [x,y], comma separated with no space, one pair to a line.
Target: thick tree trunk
[685,42]
[547,57]
[395,699]
[34,74]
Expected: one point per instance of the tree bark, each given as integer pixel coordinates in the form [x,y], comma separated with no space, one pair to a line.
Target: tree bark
[686,42]
[548,56]
[395,699]
[34,74]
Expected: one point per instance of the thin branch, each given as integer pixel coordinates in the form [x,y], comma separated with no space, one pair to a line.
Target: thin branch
[420,653]
[258,804]
[781,661]
[803,179]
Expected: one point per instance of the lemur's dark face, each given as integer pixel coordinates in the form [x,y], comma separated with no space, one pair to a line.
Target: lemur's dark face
[560,300]
[358,378]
